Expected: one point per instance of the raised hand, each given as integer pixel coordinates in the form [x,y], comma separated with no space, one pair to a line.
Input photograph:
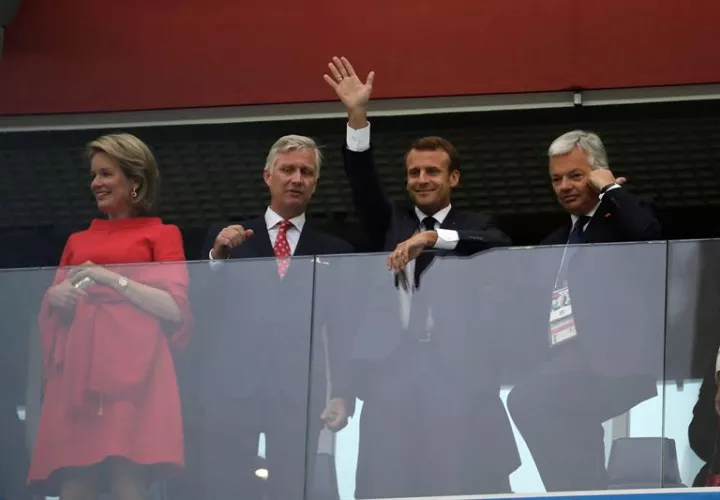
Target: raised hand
[229,238]
[601,177]
[350,89]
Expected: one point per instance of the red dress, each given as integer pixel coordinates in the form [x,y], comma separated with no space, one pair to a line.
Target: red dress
[110,388]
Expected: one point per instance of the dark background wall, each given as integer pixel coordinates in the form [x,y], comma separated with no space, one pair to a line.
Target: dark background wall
[670,152]
[86,55]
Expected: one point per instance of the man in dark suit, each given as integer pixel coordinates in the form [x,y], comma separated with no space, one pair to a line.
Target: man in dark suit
[433,170]
[432,421]
[265,369]
[604,333]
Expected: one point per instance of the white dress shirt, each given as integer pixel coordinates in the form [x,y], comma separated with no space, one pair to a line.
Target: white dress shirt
[574,218]
[359,141]
[272,222]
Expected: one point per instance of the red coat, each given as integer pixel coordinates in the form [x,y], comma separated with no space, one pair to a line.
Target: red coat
[110,387]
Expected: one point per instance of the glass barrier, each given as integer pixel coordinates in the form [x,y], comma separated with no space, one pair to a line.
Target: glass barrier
[518,370]
[199,372]
[247,381]
[20,374]
[693,336]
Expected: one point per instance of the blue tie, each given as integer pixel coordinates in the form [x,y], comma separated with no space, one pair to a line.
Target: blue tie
[576,235]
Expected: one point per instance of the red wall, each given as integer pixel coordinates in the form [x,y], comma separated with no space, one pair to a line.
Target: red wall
[91,55]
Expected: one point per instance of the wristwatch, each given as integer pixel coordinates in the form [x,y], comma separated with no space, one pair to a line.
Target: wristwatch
[123,282]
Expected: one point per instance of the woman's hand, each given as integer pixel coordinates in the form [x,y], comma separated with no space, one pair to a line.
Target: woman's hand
[94,272]
[65,295]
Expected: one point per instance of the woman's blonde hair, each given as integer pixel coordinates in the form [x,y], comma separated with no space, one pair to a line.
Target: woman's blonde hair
[136,161]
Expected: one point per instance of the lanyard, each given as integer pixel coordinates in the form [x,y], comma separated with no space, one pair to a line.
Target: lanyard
[562,263]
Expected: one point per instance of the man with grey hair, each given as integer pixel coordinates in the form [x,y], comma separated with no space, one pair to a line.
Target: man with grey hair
[291,171]
[586,187]
[596,369]
[259,338]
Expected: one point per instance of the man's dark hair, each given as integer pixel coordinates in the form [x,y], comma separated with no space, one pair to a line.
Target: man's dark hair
[434,143]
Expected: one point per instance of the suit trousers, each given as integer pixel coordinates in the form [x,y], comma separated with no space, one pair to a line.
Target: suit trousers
[230,447]
[560,411]
[423,435]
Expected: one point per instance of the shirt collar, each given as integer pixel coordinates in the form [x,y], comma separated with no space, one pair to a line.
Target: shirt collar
[439,216]
[272,219]
[574,218]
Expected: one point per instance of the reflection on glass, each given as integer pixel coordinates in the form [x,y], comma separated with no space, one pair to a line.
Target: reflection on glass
[250,375]
[433,368]
[691,369]
[263,350]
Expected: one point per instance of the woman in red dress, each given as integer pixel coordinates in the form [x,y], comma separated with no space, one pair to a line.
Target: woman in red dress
[111,410]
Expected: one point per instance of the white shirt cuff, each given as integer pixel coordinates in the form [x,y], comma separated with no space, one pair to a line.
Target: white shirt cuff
[447,239]
[214,262]
[358,140]
[717,363]
[614,186]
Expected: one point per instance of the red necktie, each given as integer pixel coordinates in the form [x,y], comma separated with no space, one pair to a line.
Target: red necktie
[282,248]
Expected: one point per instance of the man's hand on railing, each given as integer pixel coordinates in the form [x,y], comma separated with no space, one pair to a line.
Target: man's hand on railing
[335,415]
[409,250]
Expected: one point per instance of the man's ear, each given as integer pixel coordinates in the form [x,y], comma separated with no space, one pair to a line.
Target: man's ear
[454,178]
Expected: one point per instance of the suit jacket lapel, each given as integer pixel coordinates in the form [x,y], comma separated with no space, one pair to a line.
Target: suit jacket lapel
[257,246]
[559,236]
[597,230]
[409,224]
[306,243]
[307,246]
[593,234]
[451,220]
[260,241]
